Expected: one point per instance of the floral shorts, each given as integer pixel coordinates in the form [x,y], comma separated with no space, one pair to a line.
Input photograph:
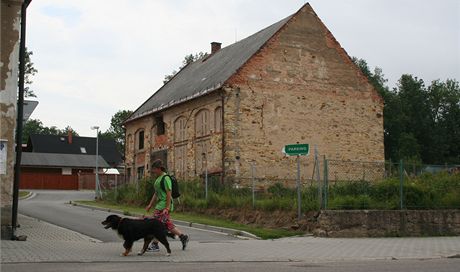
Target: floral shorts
[164,218]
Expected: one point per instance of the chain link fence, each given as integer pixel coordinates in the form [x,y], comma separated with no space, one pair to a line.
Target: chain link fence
[320,184]
[336,184]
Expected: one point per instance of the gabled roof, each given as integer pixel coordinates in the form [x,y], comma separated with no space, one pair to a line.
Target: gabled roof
[207,74]
[61,160]
[60,145]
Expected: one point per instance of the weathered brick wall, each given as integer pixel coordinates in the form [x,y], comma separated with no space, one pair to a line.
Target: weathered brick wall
[301,87]
[154,143]
[388,223]
[134,157]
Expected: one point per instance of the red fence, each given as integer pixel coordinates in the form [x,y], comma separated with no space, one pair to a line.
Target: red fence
[48,181]
[88,180]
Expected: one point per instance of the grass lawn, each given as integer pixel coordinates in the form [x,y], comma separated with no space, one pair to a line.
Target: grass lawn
[23,194]
[263,233]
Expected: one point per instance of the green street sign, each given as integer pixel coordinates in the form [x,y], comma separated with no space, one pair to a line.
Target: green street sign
[296,149]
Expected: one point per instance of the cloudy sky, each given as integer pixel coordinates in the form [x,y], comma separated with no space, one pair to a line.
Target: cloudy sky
[97,57]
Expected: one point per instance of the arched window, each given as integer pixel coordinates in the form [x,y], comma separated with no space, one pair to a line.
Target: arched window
[218,119]
[180,129]
[139,139]
[202,126]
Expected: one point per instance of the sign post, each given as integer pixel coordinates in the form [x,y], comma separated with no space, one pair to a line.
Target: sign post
[297,150]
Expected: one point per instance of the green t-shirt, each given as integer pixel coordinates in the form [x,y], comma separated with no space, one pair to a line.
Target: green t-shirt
[161,195]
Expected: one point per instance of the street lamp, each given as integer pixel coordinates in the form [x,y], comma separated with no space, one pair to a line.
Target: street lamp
[97,187]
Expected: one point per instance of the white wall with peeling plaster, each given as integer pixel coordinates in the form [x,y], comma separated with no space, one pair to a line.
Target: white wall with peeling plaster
[10,32]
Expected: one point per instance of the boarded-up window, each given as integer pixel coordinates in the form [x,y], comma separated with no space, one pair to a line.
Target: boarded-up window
[180,160]
[162,155]
[180,129]
[218,119]
[140,172]
[202,126]
[202,152]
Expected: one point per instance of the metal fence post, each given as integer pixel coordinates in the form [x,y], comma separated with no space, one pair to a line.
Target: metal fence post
[401,182]
[326,183]
[253,186]
[298,189]
[318,178]
[206,175]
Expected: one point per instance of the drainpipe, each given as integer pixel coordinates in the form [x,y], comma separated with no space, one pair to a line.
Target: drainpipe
[20,113]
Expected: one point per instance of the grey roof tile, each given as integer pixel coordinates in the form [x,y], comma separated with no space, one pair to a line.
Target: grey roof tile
[61,160]
[201,77]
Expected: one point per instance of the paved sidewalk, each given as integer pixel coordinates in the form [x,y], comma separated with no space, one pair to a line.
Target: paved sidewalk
[50,243]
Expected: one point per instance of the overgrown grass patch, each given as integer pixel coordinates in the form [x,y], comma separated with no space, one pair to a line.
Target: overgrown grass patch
[23,194]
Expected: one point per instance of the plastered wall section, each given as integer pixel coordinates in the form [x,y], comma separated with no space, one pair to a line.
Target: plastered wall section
[9,35]
[154,142]
[301,87]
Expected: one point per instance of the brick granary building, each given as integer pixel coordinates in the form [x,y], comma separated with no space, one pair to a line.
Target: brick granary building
[290,82]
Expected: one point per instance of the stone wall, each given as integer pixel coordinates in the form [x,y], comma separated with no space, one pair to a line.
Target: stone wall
[388,223]
[300,87]
[10,24]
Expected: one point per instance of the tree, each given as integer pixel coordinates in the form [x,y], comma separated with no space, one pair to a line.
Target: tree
[28,73]
[444,99]
[116,130]
[35,126]
[187,60]
[420,123]
[31,126]
[391,110]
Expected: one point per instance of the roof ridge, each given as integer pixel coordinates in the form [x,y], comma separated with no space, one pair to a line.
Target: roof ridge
[250,44]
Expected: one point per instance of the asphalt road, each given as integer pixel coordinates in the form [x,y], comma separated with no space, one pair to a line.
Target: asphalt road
[439,265]
[53,206]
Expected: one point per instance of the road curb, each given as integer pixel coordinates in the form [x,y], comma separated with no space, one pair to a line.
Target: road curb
[29,195]
[234,232]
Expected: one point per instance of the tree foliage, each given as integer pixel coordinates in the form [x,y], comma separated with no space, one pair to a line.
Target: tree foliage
[28,73]
[420,123]
[35,126]
[116,130]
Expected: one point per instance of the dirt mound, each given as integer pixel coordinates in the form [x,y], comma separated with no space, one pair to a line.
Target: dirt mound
[267,219]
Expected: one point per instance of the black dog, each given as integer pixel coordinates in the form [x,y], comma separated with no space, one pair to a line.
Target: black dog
[134,229]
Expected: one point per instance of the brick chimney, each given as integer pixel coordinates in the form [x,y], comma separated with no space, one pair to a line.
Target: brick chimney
[69,136]
[215,46]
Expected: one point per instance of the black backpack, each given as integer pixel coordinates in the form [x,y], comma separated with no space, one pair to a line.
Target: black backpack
[174,186]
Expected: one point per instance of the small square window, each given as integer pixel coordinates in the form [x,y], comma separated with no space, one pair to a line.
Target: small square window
[67,171]
[83,150]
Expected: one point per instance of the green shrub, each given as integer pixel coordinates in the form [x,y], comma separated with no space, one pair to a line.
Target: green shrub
[451,199]
[279,190]
[427,191]
[273,204]
[350,202]
[354,188]
[385,190]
